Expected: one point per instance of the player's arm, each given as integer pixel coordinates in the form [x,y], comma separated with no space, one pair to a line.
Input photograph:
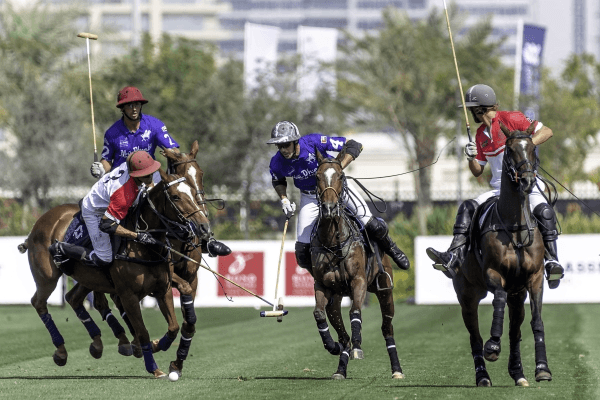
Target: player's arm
[542,135]
[349,152]
[476,168]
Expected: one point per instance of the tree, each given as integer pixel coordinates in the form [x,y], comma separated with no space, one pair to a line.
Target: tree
[404,79]
[34,48]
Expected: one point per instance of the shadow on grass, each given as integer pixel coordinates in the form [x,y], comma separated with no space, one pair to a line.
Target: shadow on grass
[74,377]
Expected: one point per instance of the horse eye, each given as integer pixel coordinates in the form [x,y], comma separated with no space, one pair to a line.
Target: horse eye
[176,198]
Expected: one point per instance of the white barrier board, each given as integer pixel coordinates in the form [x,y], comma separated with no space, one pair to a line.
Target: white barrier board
[16,282]
[578,254]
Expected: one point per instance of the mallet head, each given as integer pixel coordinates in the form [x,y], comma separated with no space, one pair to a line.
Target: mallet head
[277,313]
[280,308]
[87,35]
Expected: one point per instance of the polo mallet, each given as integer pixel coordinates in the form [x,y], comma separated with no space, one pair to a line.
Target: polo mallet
[277,312]
[462,97]
[280,313]
[87,37]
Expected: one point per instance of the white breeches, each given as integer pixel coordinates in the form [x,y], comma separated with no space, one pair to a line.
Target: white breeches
[309,211]
[100,240]
[535,198]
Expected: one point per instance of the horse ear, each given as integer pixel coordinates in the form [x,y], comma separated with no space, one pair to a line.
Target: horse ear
[504,129]
[531,128]
[194,150]
[168,153]
[320,157]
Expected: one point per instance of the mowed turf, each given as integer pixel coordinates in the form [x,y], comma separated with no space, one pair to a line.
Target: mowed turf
[238,355]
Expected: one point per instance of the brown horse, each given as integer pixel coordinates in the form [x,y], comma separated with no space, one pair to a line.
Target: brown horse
[341,267]
[511,264]
[170,200]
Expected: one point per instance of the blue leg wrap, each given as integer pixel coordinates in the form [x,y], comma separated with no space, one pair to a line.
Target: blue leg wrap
[356,325]
[87,321]
[184,347]
[330,345]
[112,322]
[165,342]
[187,302]
[149,358]
[391,348]
[57,338]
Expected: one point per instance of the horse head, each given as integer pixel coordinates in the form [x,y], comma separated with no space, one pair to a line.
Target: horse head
[330,185]
[181,206]
[520,161]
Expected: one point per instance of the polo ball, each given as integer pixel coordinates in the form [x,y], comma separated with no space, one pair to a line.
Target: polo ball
[173,376]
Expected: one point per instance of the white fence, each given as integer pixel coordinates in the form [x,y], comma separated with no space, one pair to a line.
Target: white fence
[579,254]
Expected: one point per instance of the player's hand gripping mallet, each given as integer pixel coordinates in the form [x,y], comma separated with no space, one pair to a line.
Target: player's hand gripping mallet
[87,37]
[278,311]
[462,97]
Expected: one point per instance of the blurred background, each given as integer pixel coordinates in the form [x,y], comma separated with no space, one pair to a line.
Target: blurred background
[224,72]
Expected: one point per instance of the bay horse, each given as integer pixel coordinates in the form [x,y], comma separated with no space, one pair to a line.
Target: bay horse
[510,265]
[169,200]
[341,267]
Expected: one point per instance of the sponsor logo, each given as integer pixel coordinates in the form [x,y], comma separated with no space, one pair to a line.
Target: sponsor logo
[146,135]
[311,158]
[485,143]
[164,128]
[246,268]
[123,143]
[298,281]
[323,139]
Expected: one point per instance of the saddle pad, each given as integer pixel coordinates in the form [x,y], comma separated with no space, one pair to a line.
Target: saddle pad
[77,233]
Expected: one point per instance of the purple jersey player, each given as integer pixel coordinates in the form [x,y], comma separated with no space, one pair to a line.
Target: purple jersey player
[296,158]
[134,131]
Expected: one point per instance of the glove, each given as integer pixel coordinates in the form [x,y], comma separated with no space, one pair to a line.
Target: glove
[471,150]
[288,207]
[146,238]
[97,169]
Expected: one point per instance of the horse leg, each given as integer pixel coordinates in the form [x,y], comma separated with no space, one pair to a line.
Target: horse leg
[39,301]
[491,350]
[75,298]
[536,291]
[334,315]
[135,344]
[165,303]
[101,304]
[131,306]
[188,328]
[359,290]
[386,304]
[469,298]
[516,315]
[321,299]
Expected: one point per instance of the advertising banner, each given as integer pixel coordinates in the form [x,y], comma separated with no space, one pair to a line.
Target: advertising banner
[578,254]
[531,69]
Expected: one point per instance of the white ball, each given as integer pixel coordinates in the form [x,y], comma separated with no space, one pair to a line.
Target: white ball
[173,376]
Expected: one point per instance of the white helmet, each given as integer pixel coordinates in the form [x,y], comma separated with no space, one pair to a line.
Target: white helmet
[284,132]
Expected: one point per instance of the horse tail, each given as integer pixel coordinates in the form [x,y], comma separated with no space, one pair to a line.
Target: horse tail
[23,246]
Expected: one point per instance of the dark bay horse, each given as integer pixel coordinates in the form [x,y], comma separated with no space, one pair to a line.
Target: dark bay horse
[511,264]
[341,268]
[170,200]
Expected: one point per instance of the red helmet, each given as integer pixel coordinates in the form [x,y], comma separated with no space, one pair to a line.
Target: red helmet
[129,94]
[140,163]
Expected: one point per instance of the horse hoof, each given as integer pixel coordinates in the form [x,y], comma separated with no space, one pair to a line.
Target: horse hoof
[543,376]
[61,362]
[125,350]
[158,374]
[96,353]
[137,351]
[357,354]
[485,382]
[491,350]
[522,382]
[173,368]
[338,376]
[553,284]
[397,375]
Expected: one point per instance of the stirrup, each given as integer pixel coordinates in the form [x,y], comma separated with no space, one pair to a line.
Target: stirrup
[379,288]
[439,263]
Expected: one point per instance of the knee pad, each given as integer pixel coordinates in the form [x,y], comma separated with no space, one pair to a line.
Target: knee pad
[464,216]
[544,214]
[303,255]
[377,228]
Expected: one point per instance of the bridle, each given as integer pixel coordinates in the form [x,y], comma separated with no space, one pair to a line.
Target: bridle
[515,171]
[201,199]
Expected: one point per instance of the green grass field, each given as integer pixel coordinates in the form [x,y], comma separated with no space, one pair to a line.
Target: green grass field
[238,355]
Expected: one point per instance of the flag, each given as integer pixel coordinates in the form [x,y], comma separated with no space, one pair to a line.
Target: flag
[530,57]
[260,53]
[316,46]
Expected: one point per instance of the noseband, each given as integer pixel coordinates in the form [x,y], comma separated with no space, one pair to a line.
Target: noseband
[515,171]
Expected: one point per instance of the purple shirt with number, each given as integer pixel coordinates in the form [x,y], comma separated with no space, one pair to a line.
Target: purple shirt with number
[119,142]
[304,168]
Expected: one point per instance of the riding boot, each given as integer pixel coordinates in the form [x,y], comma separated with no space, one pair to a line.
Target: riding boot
[546,218]
[378,230]
[303,257]
[449,261]
[216,248]
[63,252]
